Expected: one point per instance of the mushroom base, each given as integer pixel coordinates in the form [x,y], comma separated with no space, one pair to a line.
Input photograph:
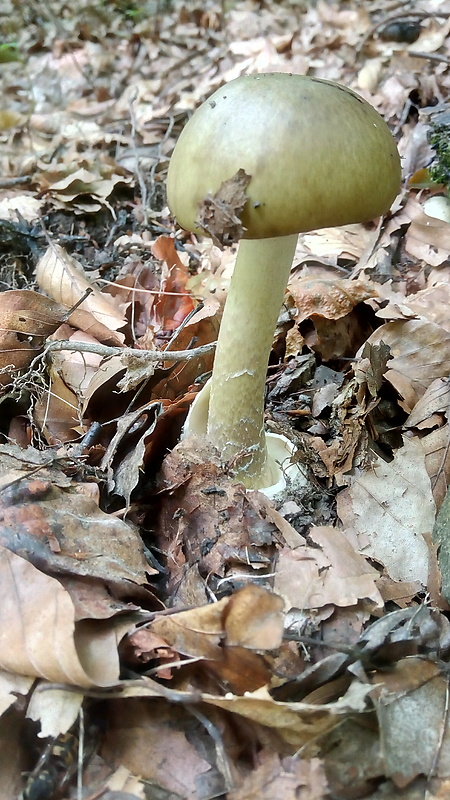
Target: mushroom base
[280,450]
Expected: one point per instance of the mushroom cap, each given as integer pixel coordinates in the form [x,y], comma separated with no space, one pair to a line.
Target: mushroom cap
[317,154]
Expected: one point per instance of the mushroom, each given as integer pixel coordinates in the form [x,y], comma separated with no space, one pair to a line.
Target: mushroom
[264,158]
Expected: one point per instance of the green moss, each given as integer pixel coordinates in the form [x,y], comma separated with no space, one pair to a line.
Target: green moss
[439,138]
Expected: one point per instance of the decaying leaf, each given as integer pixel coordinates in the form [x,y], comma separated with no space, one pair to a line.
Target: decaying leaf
[391,506]
[97,557]
[290,778]
[421,354]
[62,277]
[326,571]
[414,690]
[39,635]
[26,320]
[219,214]
[329,298]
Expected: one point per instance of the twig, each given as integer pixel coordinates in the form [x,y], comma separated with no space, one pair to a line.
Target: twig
[429,56]
[80,760]
[6,183]
[129,353]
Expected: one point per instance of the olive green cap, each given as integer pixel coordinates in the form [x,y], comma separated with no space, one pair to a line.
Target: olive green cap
[314,155]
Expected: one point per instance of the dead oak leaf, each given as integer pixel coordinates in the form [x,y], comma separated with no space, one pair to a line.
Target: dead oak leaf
[290,778]
[219,214]
[327,298]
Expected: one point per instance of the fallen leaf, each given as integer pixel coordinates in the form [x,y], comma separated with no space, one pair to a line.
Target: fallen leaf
[38,633]
[421,354]
[63,278]
[220,214]
[289,778]
[326,571]
[26,320]
[329,298]
[391,506]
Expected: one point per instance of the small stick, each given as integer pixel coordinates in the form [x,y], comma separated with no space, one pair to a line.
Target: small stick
[130,352]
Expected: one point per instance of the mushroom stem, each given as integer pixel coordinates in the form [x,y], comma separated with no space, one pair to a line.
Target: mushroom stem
[236,409]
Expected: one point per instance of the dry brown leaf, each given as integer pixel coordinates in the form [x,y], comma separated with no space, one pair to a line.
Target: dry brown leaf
[287,778]
[330,298]
[325,572]
[97,557]
[413,690]
[125,473]
[26,320]
[75,368]
[428,239]
[162,744]
[63,278]
[432,407]
[329,244]
[57,412]
[251,618]
[84,190]
[38,632]
[391,506]
[421,354]
[298,724]
[28,207]
[431,303]
[436,447]
[220,214]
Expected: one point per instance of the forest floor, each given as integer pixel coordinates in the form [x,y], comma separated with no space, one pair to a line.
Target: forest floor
[166,634]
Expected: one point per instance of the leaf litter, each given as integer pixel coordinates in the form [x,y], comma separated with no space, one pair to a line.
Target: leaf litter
[165,632]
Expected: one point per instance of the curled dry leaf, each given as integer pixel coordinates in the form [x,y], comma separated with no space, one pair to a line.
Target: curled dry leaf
[329,298]
[225,635]
[85,190]
[251,618]
[63,278]
[132,433]
[421,354]
[431,415]
[26,320]
[298,724]
[38,631]
[428,239]
[57,411]
[432,407]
